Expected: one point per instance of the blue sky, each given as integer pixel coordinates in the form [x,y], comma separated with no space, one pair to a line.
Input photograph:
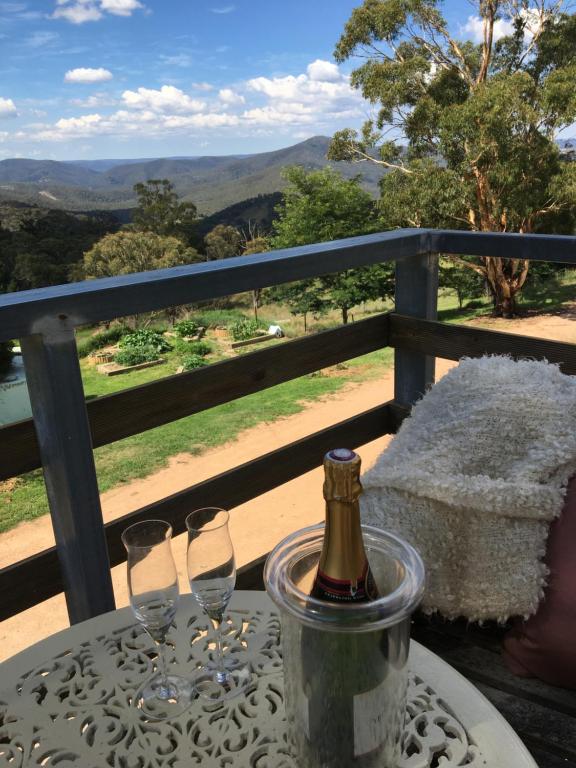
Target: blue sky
[150,78]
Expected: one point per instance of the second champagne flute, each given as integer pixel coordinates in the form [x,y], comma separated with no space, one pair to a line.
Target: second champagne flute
[212,575]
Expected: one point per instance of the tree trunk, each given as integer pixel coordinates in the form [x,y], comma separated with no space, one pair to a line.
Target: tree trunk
[345,315]
[305,314]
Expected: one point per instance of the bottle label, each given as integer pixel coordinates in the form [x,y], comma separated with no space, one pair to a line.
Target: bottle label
[327,588]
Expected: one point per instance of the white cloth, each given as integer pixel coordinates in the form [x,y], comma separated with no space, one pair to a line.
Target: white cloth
[473,479]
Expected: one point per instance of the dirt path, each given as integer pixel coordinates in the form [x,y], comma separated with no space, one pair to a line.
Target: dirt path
[256,526]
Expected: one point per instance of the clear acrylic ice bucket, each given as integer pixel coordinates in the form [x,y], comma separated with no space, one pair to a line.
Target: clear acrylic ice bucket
[345,664]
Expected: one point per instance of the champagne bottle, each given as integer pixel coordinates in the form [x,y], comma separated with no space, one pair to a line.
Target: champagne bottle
[343,571]
[345,718]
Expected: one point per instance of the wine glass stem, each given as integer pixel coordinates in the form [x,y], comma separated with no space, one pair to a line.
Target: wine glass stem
[220,669]
[164,691]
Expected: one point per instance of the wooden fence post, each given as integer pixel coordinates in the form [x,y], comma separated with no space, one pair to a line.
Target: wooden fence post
[416,296]
[61,421]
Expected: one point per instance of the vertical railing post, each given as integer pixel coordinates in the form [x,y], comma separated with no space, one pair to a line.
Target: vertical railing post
[416,295]
[61,421]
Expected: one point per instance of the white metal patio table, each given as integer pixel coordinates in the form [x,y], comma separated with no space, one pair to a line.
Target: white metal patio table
[66,701]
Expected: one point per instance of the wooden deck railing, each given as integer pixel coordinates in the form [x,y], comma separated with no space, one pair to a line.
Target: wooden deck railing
[65,427]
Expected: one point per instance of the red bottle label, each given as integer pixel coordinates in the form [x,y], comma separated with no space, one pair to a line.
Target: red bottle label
[327,588]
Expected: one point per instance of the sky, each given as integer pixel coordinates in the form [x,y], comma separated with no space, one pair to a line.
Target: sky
[86,79]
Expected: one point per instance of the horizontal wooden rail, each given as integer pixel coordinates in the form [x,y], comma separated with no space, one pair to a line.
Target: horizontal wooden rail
[45,310]
[137,409]
[554,248]
[38,577]
[455,341]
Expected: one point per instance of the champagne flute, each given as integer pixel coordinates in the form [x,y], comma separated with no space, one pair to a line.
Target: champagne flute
[153,588]
[212,575]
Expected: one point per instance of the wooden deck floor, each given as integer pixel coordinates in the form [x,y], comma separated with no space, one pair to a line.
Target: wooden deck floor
[543,716]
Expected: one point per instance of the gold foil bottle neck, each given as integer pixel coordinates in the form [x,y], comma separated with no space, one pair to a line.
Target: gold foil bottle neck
[342,475]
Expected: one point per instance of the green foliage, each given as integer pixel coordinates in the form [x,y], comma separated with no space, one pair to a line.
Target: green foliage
[160,211]
[490,111]
[319,206]
[144,338]
[464,281]
[222,242]
[201,348]
[5,356]
[193,361]
[244,329]
[101,339]
[123,253]
[186,328]
[43,247]
[215,318]
[136,355]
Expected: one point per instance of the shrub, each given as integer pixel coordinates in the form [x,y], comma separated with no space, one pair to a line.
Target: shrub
[244,329]
[5,356]
[101,339]
[186,328]
[201,348]
[136,355]
[192,361]
[145,338]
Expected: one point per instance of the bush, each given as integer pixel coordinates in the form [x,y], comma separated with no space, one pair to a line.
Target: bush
[136,355]
[186,328]
[201,348]
[244,329]
[101,339]
[5,356]
[193,361]
[145,338]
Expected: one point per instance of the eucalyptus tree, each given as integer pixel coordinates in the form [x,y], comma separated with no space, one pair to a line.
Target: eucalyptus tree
[466,131]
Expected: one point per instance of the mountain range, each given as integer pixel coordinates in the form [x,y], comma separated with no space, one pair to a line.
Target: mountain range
[211,182]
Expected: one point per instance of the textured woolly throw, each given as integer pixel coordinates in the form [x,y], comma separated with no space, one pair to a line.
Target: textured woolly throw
[473,479]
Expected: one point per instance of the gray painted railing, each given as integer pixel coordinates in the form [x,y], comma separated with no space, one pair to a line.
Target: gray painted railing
[44,320]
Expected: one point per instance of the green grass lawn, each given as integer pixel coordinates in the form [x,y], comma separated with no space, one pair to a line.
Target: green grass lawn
[140,455]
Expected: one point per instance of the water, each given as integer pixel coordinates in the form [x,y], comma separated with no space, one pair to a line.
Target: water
[155,610]
[214,593]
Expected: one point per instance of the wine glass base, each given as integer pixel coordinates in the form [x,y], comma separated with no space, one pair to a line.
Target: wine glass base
[213,686]
[156,702]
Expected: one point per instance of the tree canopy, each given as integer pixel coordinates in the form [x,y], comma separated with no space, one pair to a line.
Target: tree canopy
[478,121]
[160,211]
[222,242]
[125,252]
[319,206]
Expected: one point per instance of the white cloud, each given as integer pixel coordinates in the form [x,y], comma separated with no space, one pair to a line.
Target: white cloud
[87,75]
[81,11]
[167,99]
[95,101]
[324,71]
[228,96]
[120,7]
[178,60]
[77,11]
[319,100]
[41,38]
[474,29]
[7,108]
[224,9]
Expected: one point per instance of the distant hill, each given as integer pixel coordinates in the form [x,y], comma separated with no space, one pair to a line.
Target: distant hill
[212,183]
[257,212]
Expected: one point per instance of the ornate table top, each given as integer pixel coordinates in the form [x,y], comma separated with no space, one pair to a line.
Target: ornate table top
[67,702]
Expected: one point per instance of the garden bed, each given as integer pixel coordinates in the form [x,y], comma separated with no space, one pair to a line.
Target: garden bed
[114,369]
[253,340]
